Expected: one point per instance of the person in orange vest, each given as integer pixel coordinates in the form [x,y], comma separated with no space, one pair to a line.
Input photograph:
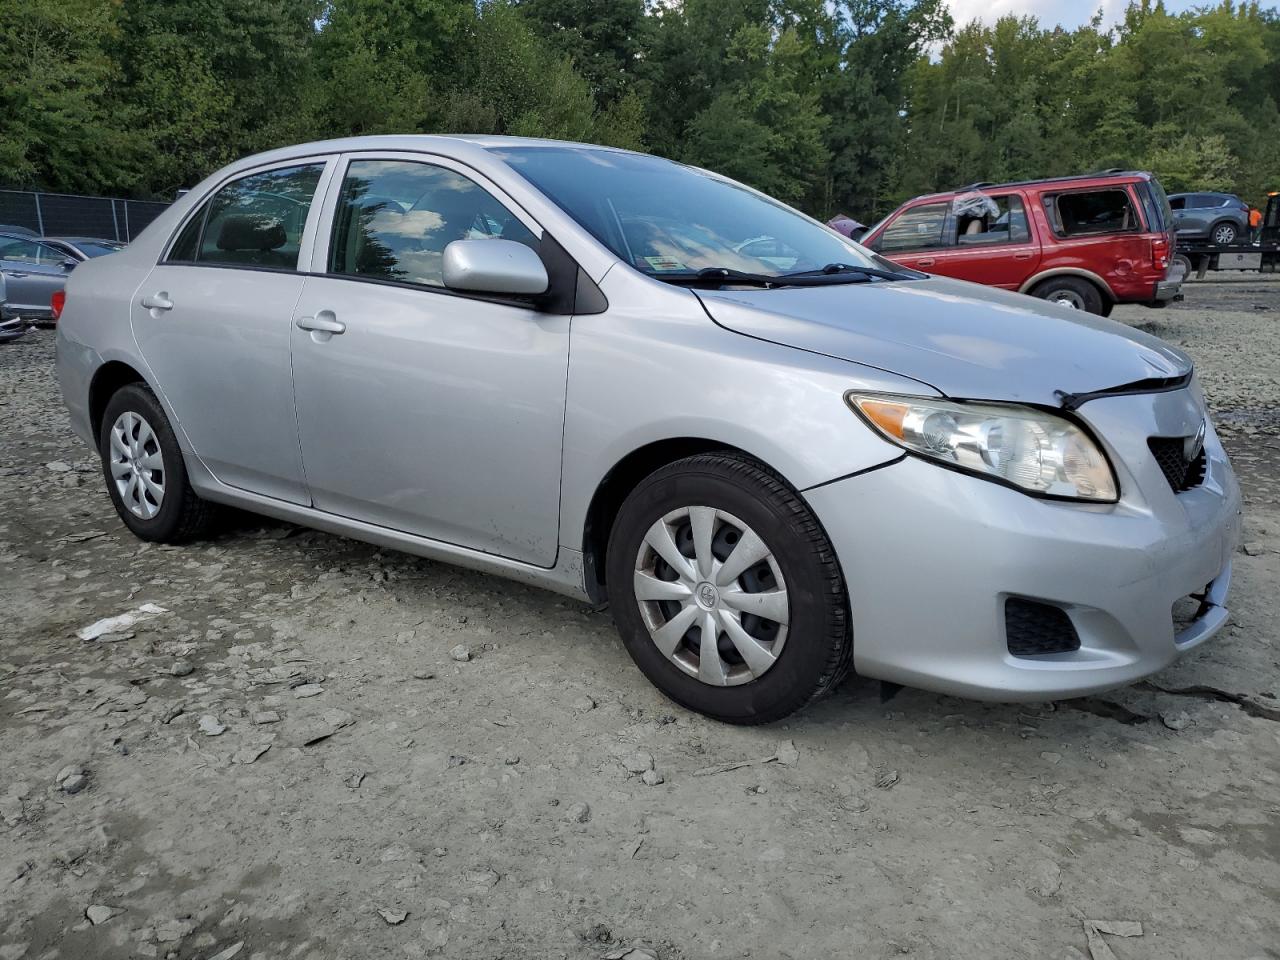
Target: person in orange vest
[1255,224]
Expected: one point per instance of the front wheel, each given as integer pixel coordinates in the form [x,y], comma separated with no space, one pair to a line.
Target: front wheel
[145,474]
[726,590]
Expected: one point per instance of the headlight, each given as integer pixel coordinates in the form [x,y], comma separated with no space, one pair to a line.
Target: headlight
[1021,446]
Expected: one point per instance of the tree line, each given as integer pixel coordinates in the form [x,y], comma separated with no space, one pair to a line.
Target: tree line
[833,105]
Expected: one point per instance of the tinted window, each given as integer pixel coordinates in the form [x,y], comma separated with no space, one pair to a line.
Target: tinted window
[1091,212]
[1177,203]
[982,219]
[916,229]
[98,249]
[665,219]
[395,218]
[256,221]
[1155,204]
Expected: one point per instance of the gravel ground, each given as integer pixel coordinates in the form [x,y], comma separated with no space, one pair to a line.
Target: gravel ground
[294,759]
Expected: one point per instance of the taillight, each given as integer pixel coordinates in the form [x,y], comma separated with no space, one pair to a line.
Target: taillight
[58,301]
[1160,252]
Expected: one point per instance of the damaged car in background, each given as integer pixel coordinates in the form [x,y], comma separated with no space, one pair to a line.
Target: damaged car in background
[1087,242]
[777,455]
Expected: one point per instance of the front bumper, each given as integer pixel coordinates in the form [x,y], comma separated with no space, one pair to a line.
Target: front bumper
[931,555]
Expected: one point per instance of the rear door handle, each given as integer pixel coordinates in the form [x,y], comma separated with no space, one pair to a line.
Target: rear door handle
[1022,256]
[926,262]
[157,301]
[322,322]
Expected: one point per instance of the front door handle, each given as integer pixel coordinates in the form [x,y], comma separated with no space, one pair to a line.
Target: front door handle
[157,301]
[322,322]
[926,262]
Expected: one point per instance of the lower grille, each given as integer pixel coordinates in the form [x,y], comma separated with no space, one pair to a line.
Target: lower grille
[1033,629]
[1182,474]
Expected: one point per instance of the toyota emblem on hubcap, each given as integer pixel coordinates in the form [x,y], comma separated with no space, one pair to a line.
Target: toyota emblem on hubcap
[708,595]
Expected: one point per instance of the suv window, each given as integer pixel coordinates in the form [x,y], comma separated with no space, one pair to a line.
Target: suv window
[395,218]
[1091,212]
[916,229]
[256,221]
[982,219]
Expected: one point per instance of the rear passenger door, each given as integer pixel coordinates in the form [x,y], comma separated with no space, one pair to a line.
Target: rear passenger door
[213,319]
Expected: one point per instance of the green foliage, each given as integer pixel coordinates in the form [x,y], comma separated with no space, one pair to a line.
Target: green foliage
[834,105]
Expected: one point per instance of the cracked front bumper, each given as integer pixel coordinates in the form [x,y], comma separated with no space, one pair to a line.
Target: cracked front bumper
[931,555]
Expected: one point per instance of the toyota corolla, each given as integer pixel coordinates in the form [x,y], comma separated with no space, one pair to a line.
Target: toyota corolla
[776,455]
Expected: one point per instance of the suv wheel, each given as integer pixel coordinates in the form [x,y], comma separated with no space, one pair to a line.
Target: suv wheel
[1224,234]
[1074,292]
[727,592]
[145,474]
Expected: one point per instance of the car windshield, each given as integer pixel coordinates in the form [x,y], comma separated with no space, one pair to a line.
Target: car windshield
[671,221]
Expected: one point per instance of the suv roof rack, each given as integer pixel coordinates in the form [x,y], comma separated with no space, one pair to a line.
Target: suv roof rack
[1116,171]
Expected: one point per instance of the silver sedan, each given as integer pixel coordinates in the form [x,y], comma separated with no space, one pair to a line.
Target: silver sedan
[777,456]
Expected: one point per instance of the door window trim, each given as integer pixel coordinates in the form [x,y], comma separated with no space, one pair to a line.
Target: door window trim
[201,209]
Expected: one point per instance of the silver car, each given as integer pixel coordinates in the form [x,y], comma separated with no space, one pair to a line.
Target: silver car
[31,272]
[564,364]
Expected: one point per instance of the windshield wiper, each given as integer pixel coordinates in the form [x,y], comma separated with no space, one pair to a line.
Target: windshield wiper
[726,276]
[850,271]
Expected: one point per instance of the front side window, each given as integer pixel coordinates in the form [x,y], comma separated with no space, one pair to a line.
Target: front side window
[671,221]
[256,221]
[919,228]
[984,220]
[395,217]
[1091,212]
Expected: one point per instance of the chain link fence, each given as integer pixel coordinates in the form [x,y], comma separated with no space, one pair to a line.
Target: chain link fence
[68,215]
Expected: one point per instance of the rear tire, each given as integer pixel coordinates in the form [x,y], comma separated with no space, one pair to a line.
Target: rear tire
[1224,233]
[145,473]
[761,666]
[1074,292]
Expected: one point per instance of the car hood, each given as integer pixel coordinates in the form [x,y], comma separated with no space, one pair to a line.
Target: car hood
[965,340]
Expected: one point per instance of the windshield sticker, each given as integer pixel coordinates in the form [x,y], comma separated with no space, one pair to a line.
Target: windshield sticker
[665,263]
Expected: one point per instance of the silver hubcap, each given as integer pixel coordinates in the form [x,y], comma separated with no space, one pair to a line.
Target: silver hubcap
[1068,298]
[1224,235]
[712,596]
[137,466]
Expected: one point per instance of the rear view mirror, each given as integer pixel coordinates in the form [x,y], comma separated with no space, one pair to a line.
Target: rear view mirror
[494,266]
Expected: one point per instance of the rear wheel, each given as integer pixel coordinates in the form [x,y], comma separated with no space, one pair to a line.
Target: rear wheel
[1076,293]
[1224,233]
[145,473]
[727,592]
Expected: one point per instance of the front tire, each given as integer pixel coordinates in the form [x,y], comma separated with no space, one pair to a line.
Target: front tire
[145,473]
[727,592]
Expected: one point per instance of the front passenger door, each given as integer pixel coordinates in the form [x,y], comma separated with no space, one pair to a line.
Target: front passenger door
[421,409]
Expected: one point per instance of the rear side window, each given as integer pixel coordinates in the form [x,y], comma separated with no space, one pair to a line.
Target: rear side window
[916,229]
[395,218]
[1155,205]
[256,221]
[1091,212]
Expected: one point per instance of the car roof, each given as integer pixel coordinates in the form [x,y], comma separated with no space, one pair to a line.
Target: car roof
[86,240]
[1101,178]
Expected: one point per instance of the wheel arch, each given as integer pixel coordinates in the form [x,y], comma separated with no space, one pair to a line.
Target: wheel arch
[107,380]
[1103,287]
[617,484]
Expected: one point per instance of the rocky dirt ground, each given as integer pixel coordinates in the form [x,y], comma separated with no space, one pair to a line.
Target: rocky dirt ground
[291,757]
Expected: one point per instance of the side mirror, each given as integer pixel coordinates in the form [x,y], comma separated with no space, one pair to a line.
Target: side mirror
[494,266]
[70,263]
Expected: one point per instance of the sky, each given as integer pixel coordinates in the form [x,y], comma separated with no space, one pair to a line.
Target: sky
[1069,13]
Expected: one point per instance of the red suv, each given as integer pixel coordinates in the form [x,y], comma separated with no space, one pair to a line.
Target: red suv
[1087,242]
